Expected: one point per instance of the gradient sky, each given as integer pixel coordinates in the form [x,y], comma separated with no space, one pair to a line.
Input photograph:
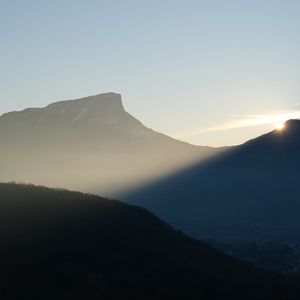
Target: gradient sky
[198,70]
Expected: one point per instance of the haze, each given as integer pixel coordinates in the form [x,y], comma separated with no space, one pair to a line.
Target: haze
[183,67]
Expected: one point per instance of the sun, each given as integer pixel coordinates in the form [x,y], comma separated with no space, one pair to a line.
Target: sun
[280,126]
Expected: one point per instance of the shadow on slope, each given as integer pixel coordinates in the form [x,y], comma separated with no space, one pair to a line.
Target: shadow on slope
[248,193]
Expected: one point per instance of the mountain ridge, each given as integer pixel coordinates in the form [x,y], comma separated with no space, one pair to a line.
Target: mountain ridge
[87,135]
[73,245]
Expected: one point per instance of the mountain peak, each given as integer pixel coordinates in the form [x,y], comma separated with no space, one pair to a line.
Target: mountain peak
[292,125]
[107,101]
[102,110]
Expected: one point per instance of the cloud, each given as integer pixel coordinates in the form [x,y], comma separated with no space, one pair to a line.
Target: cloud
[250,121]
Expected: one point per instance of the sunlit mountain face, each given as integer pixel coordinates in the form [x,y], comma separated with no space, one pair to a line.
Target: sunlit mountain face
[89,144]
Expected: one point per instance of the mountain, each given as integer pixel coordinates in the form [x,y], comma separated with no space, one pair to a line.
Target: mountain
[57,244]
[89,144]
[249,193]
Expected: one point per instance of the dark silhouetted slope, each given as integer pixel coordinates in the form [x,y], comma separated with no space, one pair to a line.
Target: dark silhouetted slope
[249,193]
[57,244]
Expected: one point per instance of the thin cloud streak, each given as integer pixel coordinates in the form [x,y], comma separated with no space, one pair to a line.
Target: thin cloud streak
[250,121]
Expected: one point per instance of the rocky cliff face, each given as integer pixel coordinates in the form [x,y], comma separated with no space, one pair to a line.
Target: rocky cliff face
[95,113]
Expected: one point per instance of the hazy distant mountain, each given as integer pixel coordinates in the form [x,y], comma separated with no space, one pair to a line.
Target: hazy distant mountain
[91,144]
[250,193]
[65,245]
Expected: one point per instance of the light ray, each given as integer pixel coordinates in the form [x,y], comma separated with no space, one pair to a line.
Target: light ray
[275,120]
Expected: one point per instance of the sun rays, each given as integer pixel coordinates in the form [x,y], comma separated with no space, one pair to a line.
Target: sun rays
[273,120]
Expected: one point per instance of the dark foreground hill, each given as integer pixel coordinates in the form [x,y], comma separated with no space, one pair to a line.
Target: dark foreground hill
[57,244]
[250,193]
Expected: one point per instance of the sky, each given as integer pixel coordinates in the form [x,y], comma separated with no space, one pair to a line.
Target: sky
[213,72]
